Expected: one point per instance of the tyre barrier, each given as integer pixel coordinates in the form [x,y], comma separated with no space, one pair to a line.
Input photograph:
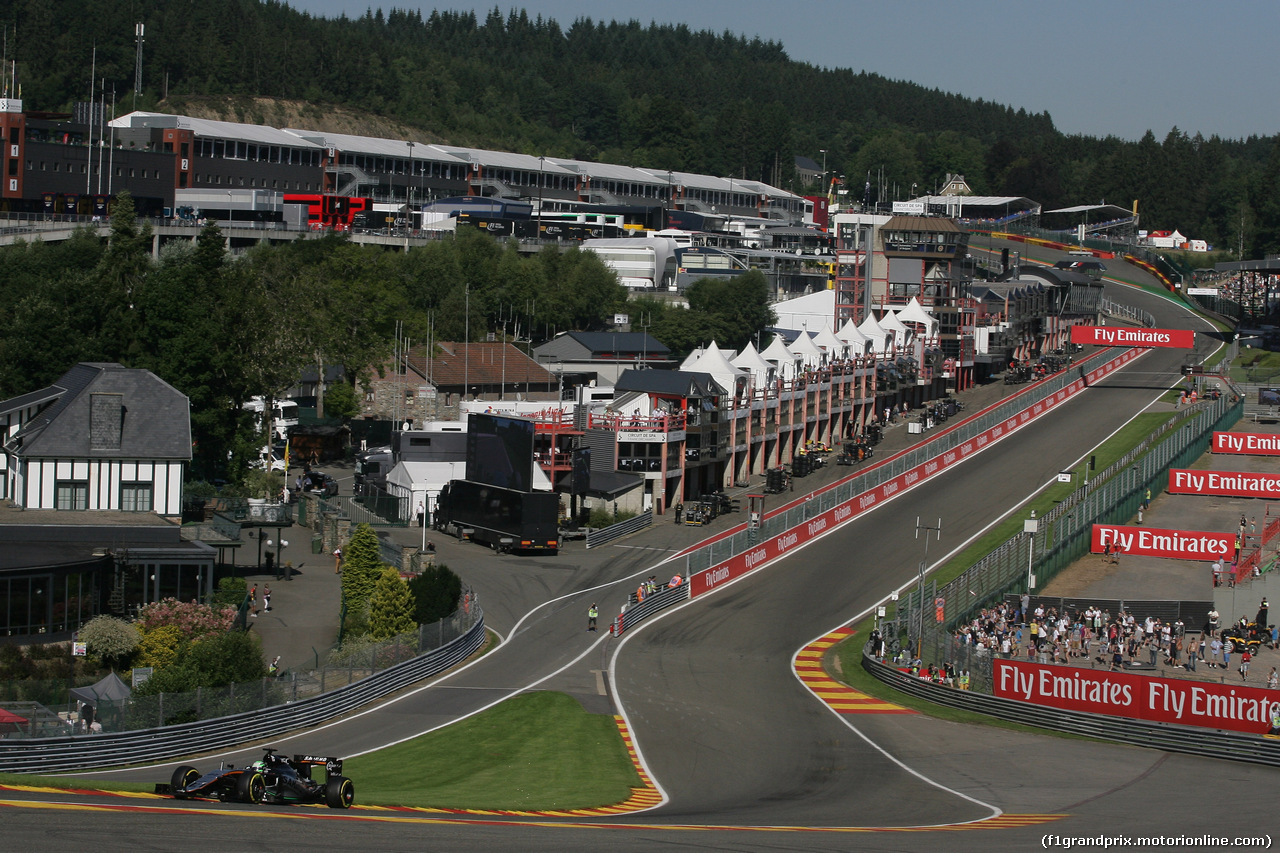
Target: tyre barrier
[48,755]
[1212,743]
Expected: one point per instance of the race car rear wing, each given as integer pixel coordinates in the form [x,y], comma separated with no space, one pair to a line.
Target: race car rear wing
[332,766]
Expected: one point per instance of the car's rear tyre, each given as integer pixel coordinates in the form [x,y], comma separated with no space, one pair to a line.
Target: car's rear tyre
[251,787]
[182,777]
[339,793]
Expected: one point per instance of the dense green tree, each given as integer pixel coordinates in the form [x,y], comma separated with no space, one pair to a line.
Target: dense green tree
[361,566]
[435,591]
[391,607]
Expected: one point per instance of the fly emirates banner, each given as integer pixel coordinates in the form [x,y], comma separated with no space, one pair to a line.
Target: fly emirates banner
[1248,443]
[1128,336]
[1239,484]
[1138,697]
[1157,542]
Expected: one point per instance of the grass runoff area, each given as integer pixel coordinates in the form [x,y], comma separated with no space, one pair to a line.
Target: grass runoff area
[535,751]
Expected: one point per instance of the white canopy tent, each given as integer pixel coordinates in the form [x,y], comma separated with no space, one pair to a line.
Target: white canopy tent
[834,348]
[890,323]
[878,336]
[915,313]
[808,351]
[858,342]
[788,363]
[750,360]
[713,362]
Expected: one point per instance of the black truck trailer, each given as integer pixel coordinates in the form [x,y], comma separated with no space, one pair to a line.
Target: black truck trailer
[504,519]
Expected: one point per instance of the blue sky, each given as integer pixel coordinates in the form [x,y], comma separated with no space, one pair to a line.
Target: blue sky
[1116,68]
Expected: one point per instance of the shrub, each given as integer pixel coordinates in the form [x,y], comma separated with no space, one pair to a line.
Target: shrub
[435,594]
[390,606]
[213,660]
[110,638]
[601,517]
[191,618]
[230,593]
[161,646]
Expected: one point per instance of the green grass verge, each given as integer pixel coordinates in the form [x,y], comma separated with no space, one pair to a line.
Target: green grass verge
[534,751]
[68,782]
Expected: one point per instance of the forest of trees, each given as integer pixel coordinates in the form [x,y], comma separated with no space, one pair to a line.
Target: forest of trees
[222,329]
[659,96]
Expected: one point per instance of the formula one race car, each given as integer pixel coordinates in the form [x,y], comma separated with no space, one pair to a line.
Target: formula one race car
[274,779]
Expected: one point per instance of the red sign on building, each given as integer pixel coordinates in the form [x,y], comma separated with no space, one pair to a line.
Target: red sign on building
[1137,697]
[1248,443]
[1238,484]
[1158,542]
[1127,336]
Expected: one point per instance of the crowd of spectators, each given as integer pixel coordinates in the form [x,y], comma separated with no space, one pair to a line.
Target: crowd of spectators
[1096,637]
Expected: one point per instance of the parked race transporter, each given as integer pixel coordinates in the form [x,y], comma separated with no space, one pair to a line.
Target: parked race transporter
[274,779]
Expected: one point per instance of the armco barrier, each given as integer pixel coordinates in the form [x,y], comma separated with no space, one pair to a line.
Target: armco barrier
[49,755]
[1214,743]
[598,537]
[809,517]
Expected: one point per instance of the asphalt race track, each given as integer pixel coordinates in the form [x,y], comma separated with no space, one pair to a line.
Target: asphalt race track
[746,756]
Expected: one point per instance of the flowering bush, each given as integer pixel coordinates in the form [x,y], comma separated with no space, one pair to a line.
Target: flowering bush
[111,639]
[160,646]
[189,617]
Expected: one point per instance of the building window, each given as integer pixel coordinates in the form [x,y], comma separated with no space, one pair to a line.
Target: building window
[135,497]
[72,495]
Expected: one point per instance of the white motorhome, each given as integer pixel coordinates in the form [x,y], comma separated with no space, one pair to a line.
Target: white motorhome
[284,414]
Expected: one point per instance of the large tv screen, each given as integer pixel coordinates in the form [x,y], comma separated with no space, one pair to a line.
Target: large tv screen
[1268,397]
[500,451]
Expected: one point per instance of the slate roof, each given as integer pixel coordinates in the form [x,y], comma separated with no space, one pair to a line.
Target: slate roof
[153,417]
[679,383]
[479,363]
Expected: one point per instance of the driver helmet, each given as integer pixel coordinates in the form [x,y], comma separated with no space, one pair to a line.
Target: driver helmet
[259,766]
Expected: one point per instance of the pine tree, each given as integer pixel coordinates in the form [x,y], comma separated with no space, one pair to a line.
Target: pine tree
[390,606]
[361,566]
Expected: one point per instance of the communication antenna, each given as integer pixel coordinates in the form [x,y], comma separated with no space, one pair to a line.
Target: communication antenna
[138,32]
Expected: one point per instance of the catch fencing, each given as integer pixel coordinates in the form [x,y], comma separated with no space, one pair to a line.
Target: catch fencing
[53,755]
[345,666]
[1064,533]
[1214,743]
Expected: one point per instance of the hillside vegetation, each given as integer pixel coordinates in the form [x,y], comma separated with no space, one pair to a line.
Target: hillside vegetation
[660,96]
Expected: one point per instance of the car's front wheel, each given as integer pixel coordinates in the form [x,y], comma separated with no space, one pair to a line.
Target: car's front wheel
[339,793]
[182,777]
[251,787]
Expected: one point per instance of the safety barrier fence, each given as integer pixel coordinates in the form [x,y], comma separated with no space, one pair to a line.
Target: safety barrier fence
[1064,533]
[641,610]
[599,536]
[808,516]
[77,752]
[1214,743]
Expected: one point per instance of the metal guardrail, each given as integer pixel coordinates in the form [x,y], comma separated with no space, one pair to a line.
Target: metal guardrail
[598,537]
[1214,743]
[51,755]
[660,600]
